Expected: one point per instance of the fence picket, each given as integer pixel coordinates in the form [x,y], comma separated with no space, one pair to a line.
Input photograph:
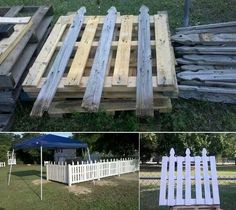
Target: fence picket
[198,179]
[187,178]
[163,190]
[206,180]
[215,188]
[179,191]
[171,181]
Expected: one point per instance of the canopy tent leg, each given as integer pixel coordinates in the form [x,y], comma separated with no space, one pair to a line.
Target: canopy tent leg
[88,154]
[9,175]
[41,162]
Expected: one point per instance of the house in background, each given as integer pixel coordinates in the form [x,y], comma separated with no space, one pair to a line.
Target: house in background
[62,155]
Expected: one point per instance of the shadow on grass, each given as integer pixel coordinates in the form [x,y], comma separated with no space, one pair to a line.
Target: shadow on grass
[26,173]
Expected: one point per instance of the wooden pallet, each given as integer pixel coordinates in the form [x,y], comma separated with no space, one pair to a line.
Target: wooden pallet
[86,77]
[18,51]
[213,207]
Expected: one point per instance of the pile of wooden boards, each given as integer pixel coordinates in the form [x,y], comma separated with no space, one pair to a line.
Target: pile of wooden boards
[207,58]
[110,63]
[23,31]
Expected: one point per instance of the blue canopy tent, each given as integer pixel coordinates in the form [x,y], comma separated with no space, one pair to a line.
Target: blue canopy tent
[48,141]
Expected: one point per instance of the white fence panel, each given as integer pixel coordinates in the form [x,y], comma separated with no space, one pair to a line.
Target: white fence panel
[183,177]
[2,164]
[87,171]
[57,172]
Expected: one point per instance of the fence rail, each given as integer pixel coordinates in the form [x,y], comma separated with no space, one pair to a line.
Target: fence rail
[2,164]
[86,171]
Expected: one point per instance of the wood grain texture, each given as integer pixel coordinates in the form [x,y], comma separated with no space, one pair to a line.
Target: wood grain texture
[14,20]
[164,58]
[144,89]
[79,62]
[49,88]
[93,92]
[121,69]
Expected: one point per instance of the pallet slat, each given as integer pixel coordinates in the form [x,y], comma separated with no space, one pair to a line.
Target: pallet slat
[165,62]
[79,62]
[121,69]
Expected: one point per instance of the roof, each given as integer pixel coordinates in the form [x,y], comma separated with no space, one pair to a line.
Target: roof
[50,141]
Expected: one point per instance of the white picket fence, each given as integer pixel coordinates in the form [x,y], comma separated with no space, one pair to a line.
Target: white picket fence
[188,180]
[2,164]
[11,162]
[75,173]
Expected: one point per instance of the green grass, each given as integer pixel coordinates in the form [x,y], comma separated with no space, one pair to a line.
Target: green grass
[149,197]
[222,171]
[187,115]
[150,188]
[115,193]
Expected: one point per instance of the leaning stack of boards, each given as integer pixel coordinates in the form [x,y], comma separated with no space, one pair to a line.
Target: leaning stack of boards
[110,63]
[207,56]
[23,31]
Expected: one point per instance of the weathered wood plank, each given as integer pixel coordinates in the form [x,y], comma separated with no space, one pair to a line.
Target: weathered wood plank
[164,58]
[209,75]
[79,62]
[206,39]
[121,69]
[8,44]
[7,67]
[109,105]
[144,89]
[206,67]
[209,50]
[208,60]
[93,92]
[208,26]
[49,88]
[14,20]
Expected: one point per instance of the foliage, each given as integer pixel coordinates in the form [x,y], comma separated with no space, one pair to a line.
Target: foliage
[219,144]
[112,144]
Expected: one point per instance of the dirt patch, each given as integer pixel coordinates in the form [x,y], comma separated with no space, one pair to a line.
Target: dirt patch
[38,181]
[103,182]
[79,190]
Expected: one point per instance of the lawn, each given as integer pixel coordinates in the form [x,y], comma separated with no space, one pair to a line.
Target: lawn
[110,193]
[150,188]
[187,115]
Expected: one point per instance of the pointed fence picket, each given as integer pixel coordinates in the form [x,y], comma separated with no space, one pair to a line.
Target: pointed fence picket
[188,180]
[86,171]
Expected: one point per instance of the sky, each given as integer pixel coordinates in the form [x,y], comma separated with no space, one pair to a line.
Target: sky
[64,134]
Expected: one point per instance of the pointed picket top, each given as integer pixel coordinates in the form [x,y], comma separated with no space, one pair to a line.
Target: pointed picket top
[172,152]
[204,152]
[188,152]
[143,9]
[81,10]
[112,10]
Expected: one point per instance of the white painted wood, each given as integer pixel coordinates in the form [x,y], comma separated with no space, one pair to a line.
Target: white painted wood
[14,20]
[171,180]
[2,164]
[163,185]
[88,171]
[187,178]
[193,173]
[215,188]
[206,178]
[179,190]
[198,180]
